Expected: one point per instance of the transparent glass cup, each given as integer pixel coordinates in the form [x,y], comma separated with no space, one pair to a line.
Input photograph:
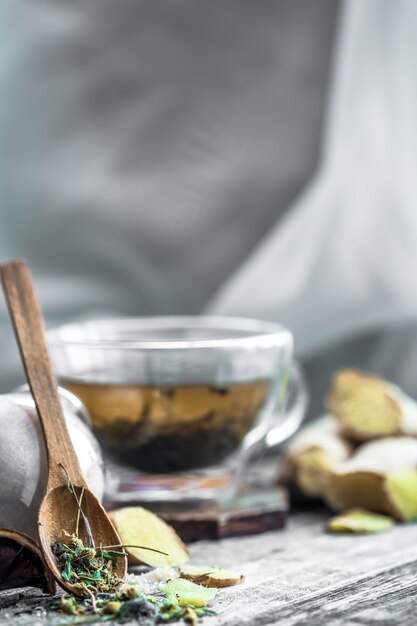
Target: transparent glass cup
[181,404]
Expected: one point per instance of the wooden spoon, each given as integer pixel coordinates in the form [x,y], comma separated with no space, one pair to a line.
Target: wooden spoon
[59,509]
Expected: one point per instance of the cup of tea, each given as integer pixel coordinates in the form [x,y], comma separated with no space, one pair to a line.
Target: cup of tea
[180,404]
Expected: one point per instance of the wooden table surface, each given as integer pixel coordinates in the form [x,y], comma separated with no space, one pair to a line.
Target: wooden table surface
[301,575]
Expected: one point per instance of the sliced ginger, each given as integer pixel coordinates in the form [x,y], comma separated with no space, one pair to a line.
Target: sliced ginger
[401,488]
[312,468]
[380,476]
[359,522]
[211,576]
[140,527]
[312,454]
[365,406]
[188,593]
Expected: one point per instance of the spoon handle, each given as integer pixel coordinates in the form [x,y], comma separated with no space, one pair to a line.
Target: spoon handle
[28,324]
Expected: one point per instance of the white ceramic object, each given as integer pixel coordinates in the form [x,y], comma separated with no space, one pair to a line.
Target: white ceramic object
[23,470]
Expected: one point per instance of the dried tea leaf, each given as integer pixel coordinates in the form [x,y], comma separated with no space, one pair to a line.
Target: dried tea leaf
[138,526]
[188,593]
[139,609]
[190,616]
[211,576]
[89,570]
[359,522]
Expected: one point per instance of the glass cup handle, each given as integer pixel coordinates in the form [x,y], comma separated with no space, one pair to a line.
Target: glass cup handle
[289,418]
[292,416]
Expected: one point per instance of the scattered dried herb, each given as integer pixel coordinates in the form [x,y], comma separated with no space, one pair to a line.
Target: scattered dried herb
[129,605]
[119,607]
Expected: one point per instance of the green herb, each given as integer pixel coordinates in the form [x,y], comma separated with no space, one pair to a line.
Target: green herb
[89,570]
[80,511]
[190,616]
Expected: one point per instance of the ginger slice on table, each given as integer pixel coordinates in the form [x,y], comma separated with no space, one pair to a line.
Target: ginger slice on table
[211,576]
[188,593]
[359,522]
[139,527]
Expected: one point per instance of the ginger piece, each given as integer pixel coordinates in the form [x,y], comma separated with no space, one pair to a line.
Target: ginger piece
[211,576]
[367,407]
[312,454]
[188,593]
[402,489]
[140,527]
[359,522]
[380,476]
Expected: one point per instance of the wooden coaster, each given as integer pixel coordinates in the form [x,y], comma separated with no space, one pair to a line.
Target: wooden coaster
[255,511]
[248,514]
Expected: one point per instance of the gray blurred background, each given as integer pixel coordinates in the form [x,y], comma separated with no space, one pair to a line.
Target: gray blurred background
[183,156]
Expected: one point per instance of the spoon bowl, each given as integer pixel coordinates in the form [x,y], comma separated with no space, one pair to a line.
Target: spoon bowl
[58,515]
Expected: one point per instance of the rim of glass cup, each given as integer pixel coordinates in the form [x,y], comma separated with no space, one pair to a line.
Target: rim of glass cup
[259,333]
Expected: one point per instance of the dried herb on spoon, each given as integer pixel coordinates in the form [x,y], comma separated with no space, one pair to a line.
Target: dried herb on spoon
[88,568]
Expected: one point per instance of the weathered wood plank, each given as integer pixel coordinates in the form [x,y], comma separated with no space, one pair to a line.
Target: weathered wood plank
[301,575]
[374,599]
[11,596]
